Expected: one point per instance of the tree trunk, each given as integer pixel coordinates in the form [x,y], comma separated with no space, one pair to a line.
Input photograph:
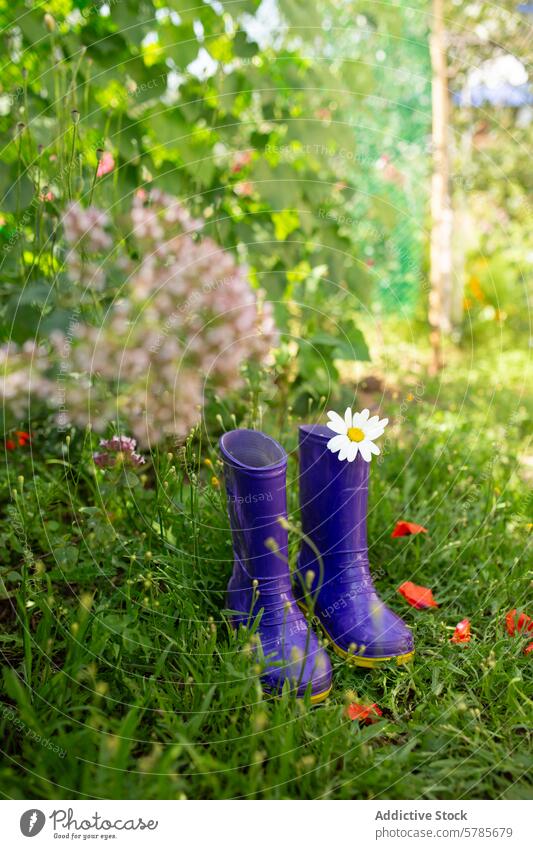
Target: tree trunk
[440,295]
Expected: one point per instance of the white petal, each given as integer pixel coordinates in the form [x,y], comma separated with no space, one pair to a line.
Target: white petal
[377,428]
[357,421]
[366,454]
[348,417]
[337,423]
[373,421]
[364,414]
[353,448]
[373,448]
[336,442]
[374,432]
[343,453]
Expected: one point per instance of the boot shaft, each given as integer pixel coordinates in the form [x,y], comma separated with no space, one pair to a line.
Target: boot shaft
[255,471]
[333,496]
[337,585]
[255,468]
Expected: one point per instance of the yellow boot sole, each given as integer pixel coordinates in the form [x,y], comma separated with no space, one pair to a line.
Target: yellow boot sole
[315,700]
[320,697]
[357,659]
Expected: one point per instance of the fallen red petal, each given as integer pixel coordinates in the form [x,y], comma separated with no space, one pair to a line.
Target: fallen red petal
[419,597]
[516,625]
[363,713]
[524,623]
[10,445]
[406,529]
[510,623]
[462,632]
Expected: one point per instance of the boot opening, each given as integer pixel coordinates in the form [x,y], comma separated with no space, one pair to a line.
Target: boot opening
[252,449]
[316,431]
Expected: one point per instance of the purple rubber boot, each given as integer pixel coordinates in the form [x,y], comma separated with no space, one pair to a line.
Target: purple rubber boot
[255,468]
[338,586]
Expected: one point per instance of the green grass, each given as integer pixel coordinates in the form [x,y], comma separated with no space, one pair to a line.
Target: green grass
[115,649]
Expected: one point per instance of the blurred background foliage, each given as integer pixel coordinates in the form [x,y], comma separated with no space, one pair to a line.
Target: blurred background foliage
[489,56]
[302,133]
[278,127]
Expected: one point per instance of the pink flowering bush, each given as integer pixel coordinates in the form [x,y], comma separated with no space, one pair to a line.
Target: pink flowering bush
[184,318]
[22,375]
[118,450]
[87,234]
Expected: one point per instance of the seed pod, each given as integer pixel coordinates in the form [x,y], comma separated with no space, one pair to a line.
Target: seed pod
[50,22]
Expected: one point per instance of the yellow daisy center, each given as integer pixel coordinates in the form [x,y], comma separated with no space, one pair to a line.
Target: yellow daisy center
[355,434]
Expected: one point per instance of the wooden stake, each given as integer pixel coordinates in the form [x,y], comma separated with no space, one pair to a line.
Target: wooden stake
[440,295]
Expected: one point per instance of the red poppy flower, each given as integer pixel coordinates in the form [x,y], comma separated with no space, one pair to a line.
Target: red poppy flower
[363,713]
[106,164]
[528,648]
[23,438]
[516,624]
[462,632]
[244,189]
[419,597]
[406,529]
[241,160]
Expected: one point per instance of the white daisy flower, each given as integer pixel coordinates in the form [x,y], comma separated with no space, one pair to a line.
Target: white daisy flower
[355,433]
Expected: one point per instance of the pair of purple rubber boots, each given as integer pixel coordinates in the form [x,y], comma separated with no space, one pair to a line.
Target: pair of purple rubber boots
[332,579]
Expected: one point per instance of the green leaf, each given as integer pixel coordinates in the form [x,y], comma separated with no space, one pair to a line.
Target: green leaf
[15,193]
[179,42]
[66,556]
[353,349]
[34,293]
[243,46]
[348,345]
[285,223]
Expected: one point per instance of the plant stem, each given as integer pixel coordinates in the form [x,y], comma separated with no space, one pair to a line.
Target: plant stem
[74,132]
[93,184]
